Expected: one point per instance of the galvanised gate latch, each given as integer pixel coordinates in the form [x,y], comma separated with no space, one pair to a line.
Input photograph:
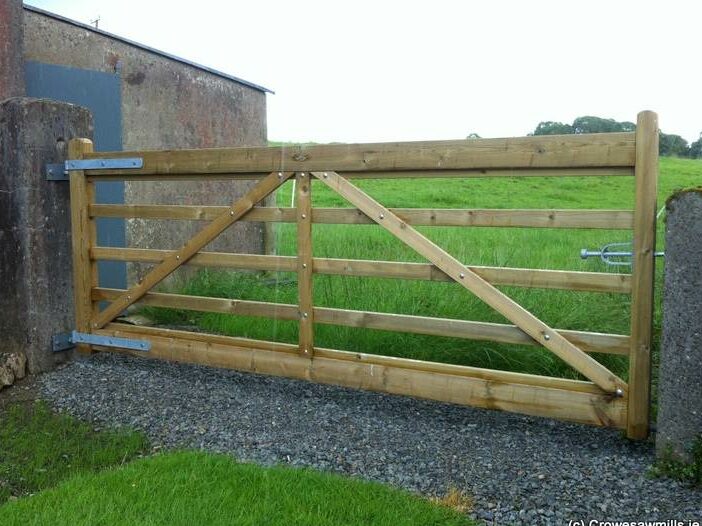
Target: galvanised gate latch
[59,171]
[63,342]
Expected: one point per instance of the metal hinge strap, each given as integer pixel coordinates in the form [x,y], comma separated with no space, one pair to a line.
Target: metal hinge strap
[62,342]
[59,171]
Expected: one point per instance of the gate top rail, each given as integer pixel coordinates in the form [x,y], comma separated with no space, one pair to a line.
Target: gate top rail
[558,155]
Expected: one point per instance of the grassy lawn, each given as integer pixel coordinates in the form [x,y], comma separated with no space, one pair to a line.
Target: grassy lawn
[39,448]
[201,488]
[515,247]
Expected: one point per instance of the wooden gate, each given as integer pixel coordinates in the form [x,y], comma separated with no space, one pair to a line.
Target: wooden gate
[604,399]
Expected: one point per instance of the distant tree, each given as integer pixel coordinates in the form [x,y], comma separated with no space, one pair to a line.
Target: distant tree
[695,151]
[553,128]
[473,136]
[590,124]
[673,145]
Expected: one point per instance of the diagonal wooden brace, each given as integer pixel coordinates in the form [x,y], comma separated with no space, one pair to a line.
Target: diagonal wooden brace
[192,247]
[522,318]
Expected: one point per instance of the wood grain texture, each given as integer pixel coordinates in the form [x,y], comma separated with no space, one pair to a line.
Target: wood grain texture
[537,329]
[393,376]
[524,218]
[303,195]
[643,273]
[472,330]
[82,233]
[604,150]
[192,247]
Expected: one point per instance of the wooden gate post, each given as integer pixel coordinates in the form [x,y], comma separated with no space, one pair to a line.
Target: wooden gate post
[83,235]
[642,279]
[303,190]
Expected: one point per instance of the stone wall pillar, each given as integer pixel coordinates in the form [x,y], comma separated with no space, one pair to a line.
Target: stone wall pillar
[36,288]
[680,383]
[11,49]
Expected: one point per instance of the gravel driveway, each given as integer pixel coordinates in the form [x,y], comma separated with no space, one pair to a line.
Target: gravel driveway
[520,470]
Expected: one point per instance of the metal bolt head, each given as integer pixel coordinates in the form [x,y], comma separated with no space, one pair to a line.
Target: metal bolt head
[461,275]
[547,337]
[280,175]
[326,175]
[302,174]
[619,392]
[231,212]
[304,265]
[304,315]
[304,216]
[177,257]
[382,216]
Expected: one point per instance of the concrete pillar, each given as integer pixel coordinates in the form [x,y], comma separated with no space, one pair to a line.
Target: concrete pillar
[680,381]
[36,289]
[11,49]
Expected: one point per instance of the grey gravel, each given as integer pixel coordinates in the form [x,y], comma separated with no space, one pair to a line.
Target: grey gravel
[520,470]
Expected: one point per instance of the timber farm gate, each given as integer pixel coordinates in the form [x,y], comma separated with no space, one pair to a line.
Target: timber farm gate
[604,399]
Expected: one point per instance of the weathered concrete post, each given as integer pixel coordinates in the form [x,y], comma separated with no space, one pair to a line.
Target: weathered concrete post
[680,382]
[11,49]
[36,289]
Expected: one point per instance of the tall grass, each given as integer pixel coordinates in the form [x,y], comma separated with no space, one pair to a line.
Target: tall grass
[513,247]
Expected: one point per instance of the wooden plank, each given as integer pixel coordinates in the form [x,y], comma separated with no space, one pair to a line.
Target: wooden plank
[407,363]
[472,330]
[603,150]
[81,236]
[516,277]
[395,174]
[194,245]
[537,329]
[578,406]
[643,274]
[303,195]
[531,218]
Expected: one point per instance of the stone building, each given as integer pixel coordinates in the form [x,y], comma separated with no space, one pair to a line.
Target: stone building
[143,99]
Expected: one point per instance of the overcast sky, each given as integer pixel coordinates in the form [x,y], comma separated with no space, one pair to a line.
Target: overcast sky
[360,71]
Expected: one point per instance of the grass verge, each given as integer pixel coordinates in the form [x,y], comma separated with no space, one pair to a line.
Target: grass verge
[39,448]
[200,488]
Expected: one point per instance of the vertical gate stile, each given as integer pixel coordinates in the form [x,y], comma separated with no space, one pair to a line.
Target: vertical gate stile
[643,260]
[82,235]
[303,194]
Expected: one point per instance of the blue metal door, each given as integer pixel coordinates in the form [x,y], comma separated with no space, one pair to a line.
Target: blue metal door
[101,94]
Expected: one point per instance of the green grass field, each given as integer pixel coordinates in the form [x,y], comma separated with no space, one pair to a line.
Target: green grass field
[514,247]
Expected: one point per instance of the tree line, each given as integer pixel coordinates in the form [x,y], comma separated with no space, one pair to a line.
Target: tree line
[669,144]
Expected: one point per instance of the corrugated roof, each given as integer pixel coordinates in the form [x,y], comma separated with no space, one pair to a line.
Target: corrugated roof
[146,48]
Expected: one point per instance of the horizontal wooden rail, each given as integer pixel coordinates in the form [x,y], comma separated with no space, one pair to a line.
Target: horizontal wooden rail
[437,367]
[558,398]
[396,174]
[516,277]
[472,330]
[603,150]
[533,218]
